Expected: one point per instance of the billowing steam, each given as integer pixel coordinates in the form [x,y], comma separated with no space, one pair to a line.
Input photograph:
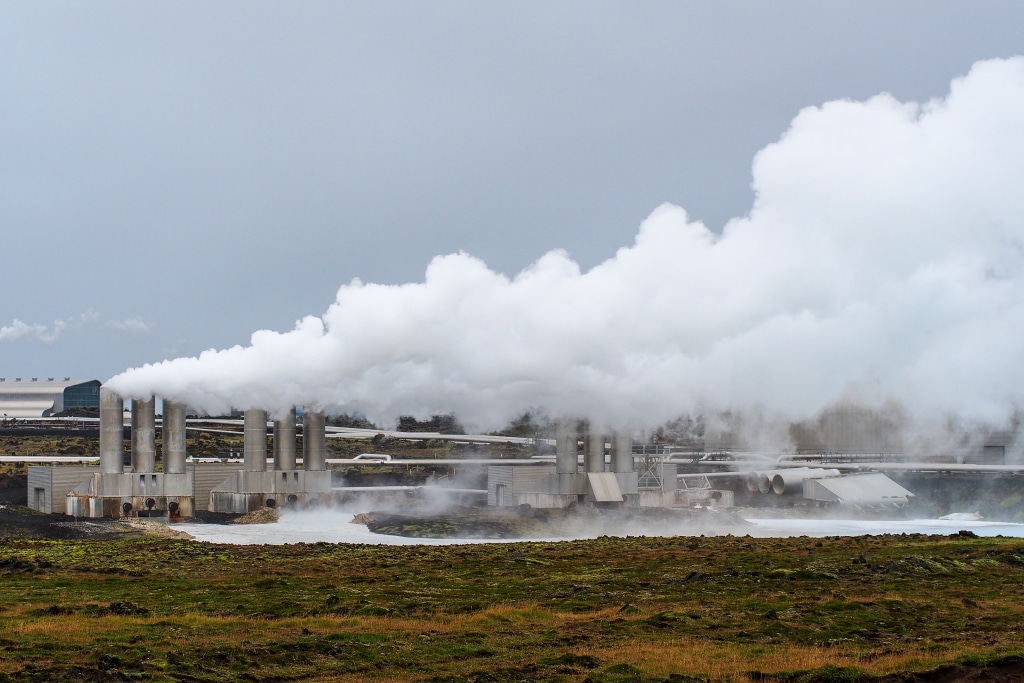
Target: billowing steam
[883,260]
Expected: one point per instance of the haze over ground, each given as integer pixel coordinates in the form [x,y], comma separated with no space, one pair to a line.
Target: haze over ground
[181,176]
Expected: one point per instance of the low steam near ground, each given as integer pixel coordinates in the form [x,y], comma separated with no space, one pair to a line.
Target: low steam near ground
[335,525]
[881,265]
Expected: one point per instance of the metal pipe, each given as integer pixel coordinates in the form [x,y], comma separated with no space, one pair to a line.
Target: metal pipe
[284,442]
[622,453]
[791,481]
[566,442]
[111,432]
[314,441]
[174,437]
[254,447]
[593,453]
[144,435]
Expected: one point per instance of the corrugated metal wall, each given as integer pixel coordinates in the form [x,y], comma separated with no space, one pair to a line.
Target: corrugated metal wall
[207,476]
[499,475]
[49,486]
[516,479]
[526,478]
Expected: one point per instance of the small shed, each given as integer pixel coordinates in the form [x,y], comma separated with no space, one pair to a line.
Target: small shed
[506,484]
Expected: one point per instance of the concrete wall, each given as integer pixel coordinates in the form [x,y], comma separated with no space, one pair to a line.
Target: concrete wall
[248,490]
[716,498]
[48,486]
[106,495]
[548,500]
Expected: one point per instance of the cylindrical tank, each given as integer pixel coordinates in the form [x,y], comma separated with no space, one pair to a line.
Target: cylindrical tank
[174,437]
[792,480]
[144,435]
[314,441]
[593,454]
[111,432]
[566,440]
[284,442]
[622,453]
[254,458]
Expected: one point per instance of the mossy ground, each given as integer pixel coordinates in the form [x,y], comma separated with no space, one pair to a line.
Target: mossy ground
[609,609]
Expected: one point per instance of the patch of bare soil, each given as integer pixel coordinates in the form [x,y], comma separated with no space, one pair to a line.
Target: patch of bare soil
[1009,670]
[261,516]
[152,527]
[13,489]
[17,521]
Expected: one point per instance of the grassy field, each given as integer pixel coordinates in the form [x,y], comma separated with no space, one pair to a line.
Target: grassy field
[604,610]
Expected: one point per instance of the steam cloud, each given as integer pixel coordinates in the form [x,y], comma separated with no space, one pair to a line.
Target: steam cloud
[883,260]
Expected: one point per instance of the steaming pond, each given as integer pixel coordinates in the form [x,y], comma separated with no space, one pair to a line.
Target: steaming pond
[336,527]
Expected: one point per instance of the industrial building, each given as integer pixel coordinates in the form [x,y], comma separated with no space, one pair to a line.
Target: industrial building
[566,484]
[254,486]
[589,467]
[48,487]
[33,397]
[113,490]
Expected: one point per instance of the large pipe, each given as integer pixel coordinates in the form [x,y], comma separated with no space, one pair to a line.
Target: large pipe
[111,432]
[314,441]
[284,442]
[254,449]
[593,453]
[566,441]
[144,435]
[790,481]
[174,437]
[622,453]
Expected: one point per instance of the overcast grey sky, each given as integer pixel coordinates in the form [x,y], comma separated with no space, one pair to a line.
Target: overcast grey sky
[174,176]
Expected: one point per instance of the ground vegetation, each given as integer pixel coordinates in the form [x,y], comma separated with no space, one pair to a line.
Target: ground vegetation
[728,608]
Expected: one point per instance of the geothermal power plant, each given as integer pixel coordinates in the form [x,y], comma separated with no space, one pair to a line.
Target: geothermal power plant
[116,490]
[588,467]
[581,465]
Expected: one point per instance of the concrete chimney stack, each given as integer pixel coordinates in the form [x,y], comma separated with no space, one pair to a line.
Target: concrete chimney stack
[111,432]
[594,452]
[566,440]
[174,437]
[622,453]
[255,443]
[314,441]
[284,442]
[144,436]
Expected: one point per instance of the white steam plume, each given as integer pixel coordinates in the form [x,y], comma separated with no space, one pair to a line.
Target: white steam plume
[883,259]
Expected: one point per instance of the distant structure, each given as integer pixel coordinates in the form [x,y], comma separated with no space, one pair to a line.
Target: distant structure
[117,490]
[608,475]
[114,491]
[42,398]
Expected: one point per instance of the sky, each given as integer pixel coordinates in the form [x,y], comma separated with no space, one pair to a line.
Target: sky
[176,176]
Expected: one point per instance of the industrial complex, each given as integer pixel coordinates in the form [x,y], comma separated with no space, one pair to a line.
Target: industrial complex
[846,460]
[42,398]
